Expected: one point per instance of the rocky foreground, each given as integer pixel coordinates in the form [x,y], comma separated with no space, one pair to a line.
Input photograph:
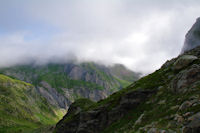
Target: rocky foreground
[166,101]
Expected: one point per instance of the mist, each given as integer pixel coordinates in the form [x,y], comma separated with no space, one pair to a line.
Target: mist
[140,34]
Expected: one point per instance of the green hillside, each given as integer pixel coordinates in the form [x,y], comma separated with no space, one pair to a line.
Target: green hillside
[61,84]
[22,109]
[33,98]
[58,75]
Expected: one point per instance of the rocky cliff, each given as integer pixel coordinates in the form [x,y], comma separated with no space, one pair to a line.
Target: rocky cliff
[192,38]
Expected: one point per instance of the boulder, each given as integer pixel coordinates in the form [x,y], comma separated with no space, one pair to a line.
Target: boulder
[194,124]
[185,105]
[179,118]
[185,79]
[139,120]
[184,61]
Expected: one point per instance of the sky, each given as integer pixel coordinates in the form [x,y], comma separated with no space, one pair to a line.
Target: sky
[141,34]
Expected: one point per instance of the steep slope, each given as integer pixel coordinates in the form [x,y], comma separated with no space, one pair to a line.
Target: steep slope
[167,100]
[61,84]
[22,109]
[192,38]
[122,73]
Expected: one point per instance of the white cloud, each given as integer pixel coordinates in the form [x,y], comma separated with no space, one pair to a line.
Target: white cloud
[140,34]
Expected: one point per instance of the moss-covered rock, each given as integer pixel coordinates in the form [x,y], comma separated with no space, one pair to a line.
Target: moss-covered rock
[184,61]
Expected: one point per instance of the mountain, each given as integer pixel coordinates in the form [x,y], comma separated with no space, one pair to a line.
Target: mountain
[35,97]
[192,38]
[166,101]
[22,108]
[61,84]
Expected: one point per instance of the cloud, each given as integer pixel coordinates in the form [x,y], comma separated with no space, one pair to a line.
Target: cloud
[140,34]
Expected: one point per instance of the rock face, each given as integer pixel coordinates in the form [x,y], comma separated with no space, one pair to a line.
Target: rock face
[194,124]
[96,120]
[166,101]
[192,38]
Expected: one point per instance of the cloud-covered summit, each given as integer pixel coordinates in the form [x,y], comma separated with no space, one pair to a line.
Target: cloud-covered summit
[140,34]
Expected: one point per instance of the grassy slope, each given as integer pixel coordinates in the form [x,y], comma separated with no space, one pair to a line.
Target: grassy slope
[159,110]
[149,82]
[124,73]
[21,109]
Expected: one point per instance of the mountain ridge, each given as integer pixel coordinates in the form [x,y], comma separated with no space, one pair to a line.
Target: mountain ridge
[43,93]
[65,82]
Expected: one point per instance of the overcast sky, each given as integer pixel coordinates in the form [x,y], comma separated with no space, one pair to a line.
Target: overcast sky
[141,34]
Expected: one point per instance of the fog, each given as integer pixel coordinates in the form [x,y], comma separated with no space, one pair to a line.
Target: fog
[140,34]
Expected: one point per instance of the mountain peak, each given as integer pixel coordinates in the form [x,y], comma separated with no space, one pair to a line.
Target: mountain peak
[192,38]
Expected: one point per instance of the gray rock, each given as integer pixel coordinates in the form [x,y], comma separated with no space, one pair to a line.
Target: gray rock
[183,61]
[162,102]
[187,114]
[194,124]
[185,105]
[171,124]
[195,118]
[179,118]
[185,130]
[174,107]
[139,120]
[94,121]
[153,130]
[192,38]
[183,81]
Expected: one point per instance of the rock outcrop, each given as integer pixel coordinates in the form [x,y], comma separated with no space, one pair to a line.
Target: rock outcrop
[99,118]
[192,38]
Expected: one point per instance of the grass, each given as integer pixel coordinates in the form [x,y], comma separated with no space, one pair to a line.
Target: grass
[5,79]
[152,81]
[27,111]
[123,83]
[92,68]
